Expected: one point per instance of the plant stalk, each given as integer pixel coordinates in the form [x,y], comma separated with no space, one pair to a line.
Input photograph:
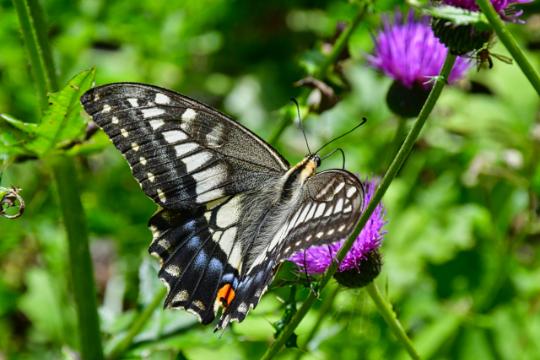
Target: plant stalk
[510,43]
[137,325]
[34,30]
[34,34]
[385,309]
[391,173]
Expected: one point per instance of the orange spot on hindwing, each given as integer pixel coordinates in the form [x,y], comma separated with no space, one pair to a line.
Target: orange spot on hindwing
[226,295]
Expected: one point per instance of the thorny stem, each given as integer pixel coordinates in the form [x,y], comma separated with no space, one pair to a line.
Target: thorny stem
[386,311]
[391,173]
[510,43]
[34,32]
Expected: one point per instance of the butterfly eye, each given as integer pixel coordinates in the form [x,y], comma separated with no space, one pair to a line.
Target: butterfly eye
[317,160]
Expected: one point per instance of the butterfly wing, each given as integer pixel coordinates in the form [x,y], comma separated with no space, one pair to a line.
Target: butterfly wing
[196,163]
[182,152]
[327,211]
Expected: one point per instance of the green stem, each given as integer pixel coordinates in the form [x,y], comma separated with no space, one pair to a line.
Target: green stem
[391,173]
[388,314]
[79,258]
[330,59]
[323,311]
[34,33]
[34,30]
[398,137]
[137,325]
[510,43]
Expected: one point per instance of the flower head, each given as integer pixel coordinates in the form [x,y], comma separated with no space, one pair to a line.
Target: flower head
[408,51]
[505,8]
[316,259]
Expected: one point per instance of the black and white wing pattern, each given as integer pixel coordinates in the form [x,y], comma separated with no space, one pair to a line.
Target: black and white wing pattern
[181,152]
[231,208]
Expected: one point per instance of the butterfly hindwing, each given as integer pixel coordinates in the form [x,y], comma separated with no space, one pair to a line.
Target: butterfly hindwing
[330,206]
[200,255]
[182,152]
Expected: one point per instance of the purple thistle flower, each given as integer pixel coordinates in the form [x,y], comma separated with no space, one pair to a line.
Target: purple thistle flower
[316,259]
[408,52]
[505,8]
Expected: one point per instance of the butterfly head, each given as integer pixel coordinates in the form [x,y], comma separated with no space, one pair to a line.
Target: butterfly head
[316,159]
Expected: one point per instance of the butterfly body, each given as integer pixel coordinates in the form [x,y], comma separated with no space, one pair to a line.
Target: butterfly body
[231,208]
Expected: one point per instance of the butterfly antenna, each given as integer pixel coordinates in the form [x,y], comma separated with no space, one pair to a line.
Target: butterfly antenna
[333,152]
[300,123]
[364,120]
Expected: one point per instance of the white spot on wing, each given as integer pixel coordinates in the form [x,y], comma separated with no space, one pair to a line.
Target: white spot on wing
[227,215]
[328,211]
[339,187]
[162,99]
[320,210]
[215,136]
[156,124]
[341,228]
[348,209]
[351,191]
[164,244]
[185,148]
[311,212]
[339,206]
[161,195]
[199,304]
[150,176]
[142,160]
[114,120]
[124,132]
[152,112]
[133,102]
[319,234]
[135,146]
[304,213]
[181,296]
[208,182]
[197,160]
[106,108]
[189,115]
[174,136]
[330,232]
[242,308]
[173,270]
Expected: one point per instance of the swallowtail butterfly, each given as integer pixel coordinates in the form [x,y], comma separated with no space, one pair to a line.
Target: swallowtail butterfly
[230,207]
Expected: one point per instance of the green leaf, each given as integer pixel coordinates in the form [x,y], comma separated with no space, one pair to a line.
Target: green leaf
[14,135]
[62,122]
[29,128]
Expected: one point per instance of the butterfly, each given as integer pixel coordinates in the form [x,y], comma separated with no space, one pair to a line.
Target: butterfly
[231,208]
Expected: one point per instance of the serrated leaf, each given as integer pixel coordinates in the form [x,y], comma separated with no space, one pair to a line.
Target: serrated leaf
[29,128]
[12,139]
[62,122]
[458,16]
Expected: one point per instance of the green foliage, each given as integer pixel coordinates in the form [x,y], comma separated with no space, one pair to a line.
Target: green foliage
[61,125]
[461,257]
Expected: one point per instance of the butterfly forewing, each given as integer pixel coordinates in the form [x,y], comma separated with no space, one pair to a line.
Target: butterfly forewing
[181,152]
[229,214]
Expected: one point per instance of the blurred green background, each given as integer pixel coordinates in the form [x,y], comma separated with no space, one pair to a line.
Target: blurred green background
[462,248]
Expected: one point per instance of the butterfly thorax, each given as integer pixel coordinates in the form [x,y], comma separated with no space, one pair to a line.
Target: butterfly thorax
[298,174]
